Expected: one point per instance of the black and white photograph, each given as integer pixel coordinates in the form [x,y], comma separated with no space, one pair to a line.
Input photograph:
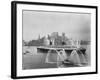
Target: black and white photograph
[56,39]
[53,39]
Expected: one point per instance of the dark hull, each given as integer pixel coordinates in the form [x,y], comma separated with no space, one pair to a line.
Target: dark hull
[68,51]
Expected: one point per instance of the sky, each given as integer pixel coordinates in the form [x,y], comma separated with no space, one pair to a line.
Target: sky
[76,25]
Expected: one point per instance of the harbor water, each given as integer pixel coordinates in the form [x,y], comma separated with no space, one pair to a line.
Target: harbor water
[32,59]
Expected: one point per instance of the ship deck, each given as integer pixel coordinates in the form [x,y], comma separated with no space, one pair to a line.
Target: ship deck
[59,47]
